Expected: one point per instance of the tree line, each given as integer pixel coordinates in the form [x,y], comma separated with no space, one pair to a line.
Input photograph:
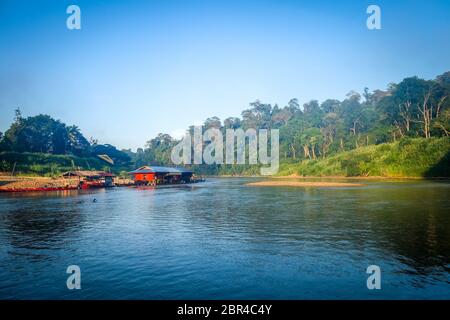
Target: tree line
[412,108]
[43,134]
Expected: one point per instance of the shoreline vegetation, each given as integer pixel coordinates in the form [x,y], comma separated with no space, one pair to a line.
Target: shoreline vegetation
[401,132]
[406,158]
[409,158]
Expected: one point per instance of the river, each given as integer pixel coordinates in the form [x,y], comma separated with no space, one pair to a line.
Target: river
[224,240]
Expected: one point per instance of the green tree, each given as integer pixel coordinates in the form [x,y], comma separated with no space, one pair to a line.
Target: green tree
[232,123]
[77,143]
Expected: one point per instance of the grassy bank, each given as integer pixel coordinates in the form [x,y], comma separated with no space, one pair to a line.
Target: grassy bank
[41,164]
[405,158]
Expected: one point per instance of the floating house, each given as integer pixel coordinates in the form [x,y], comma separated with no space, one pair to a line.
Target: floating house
[152,175]
[91,179]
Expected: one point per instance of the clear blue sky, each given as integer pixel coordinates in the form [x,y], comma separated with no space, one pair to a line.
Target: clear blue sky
[137,68]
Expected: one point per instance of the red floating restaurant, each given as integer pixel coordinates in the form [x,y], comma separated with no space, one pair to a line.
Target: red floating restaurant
[153,175]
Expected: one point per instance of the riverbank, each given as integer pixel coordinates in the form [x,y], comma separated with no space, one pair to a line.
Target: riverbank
[8,183]
[331,177]
[325,184]
[408,158]
[416,158]
[357,178]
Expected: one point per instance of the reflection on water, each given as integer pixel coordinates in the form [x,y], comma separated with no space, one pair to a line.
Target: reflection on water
[223,239]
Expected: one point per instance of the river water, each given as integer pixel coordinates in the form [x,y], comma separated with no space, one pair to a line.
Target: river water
[224,240]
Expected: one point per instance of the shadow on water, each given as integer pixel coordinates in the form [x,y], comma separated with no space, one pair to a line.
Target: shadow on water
[35,223]
[440,169]
[408,221]
[419,238]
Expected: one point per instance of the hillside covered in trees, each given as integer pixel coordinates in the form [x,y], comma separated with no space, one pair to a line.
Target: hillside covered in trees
[312,135]
[42,145]
[412,109]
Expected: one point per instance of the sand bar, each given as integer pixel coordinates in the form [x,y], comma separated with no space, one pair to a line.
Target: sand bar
[303,184]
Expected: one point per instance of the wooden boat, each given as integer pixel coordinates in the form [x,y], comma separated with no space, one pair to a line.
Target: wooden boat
[91,185]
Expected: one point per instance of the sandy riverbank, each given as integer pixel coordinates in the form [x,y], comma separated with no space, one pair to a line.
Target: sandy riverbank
[8,182]
[272,183]
[358,178]
[26,182]
[296,176]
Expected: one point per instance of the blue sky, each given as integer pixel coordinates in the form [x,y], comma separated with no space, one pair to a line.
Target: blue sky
[137,68]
